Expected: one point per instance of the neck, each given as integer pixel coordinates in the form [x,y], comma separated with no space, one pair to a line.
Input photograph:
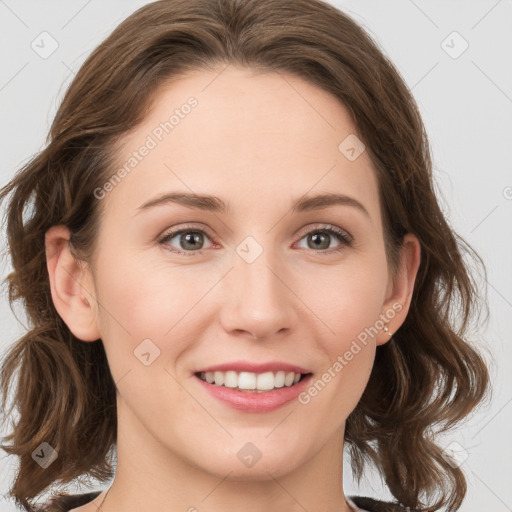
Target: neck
[152,477]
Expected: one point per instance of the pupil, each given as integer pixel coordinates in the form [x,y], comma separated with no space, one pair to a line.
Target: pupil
[316,238]
[188,236]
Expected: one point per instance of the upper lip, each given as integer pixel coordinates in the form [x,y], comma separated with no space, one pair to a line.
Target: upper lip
[247,366]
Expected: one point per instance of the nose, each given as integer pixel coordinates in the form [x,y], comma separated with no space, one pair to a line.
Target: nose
[259,300]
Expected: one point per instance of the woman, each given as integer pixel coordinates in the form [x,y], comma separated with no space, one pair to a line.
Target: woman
[235,263]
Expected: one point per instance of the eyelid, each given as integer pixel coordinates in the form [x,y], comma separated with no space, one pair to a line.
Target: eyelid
[186,227]
[325,226]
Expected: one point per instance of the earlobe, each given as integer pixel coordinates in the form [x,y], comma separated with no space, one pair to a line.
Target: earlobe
[70,285]
[397,304]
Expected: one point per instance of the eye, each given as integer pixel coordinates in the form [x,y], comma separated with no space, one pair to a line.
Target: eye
[188,244]
[191,243]
[321,238]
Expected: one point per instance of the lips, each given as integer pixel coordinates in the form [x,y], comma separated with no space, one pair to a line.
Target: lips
[248,366]
[250,387]
[255,402]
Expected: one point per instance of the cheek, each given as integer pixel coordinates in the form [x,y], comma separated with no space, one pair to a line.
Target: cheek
[348,298]
[349,301]
[351,315]
[146,295]
[141,301]
[132,308]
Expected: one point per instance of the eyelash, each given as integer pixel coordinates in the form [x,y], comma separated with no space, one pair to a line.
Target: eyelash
[345,239]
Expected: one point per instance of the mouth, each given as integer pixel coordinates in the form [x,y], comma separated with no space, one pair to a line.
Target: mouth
[251,382]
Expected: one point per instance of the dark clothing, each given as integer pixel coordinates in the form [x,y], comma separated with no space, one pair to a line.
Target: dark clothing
[373,505]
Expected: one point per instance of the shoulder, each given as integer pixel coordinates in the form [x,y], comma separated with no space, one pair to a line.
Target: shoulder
[373,505]
[63,502]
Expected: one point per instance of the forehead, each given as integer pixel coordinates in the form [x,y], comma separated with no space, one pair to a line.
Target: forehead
[245,136]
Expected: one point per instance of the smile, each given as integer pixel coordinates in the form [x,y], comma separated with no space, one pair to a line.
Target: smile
[249,381]
[254,400]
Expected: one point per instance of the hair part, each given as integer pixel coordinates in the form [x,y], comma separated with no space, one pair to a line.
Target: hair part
[65,394]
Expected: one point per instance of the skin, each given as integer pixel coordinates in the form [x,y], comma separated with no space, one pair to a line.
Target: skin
[258,141]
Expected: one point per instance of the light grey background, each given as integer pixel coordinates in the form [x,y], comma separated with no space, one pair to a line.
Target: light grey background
[466,103]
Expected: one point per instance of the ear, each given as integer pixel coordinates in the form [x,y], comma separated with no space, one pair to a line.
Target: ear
[400,290]
[71,284]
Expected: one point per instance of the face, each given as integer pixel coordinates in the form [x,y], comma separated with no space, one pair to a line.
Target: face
[181,288]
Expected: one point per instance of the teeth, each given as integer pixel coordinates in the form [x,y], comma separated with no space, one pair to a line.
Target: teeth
[251,381]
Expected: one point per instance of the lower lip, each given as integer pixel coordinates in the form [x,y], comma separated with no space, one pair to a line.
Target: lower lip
[253,401]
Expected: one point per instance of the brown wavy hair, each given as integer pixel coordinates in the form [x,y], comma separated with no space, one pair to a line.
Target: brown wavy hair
[65,394]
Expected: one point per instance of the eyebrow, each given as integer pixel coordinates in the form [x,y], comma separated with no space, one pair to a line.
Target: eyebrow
[215,204]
